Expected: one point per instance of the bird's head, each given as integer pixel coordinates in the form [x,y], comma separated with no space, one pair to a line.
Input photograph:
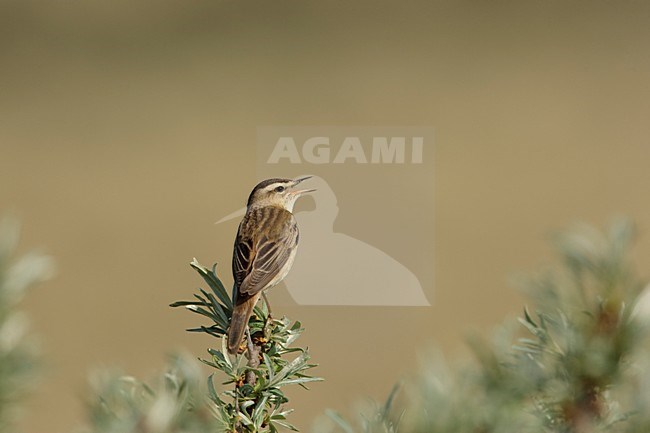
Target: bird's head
[277,192]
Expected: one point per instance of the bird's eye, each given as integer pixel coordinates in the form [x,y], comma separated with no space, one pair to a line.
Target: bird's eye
[279,189]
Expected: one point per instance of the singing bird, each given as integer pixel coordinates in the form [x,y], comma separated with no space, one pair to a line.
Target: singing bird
[264,249]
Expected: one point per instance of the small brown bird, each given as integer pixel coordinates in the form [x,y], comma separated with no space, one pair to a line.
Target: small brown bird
[265,247]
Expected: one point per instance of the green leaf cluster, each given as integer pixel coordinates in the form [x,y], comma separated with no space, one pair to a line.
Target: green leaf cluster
[574,364]
[248,392]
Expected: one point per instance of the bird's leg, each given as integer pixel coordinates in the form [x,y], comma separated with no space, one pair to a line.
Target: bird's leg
[268,304]
[269,319]
[249,340]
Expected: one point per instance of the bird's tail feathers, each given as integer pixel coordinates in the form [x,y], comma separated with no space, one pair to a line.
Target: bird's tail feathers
[240,316]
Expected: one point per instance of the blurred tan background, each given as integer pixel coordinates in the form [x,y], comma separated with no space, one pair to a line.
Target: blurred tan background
[128,128]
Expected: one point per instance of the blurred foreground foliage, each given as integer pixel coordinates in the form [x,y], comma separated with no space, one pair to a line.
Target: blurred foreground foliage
[577,361]
[175,401]
[18,351]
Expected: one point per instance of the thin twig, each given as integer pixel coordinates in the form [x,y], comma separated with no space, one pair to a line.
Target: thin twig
[253,358]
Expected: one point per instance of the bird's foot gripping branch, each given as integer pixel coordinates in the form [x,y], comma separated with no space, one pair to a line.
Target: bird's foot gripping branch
[253,399]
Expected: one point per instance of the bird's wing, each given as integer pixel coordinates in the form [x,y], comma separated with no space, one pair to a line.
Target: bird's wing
[258,259]
[242,259]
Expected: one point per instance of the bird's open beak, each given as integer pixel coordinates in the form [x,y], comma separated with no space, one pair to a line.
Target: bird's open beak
[300,179]
[301,191]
